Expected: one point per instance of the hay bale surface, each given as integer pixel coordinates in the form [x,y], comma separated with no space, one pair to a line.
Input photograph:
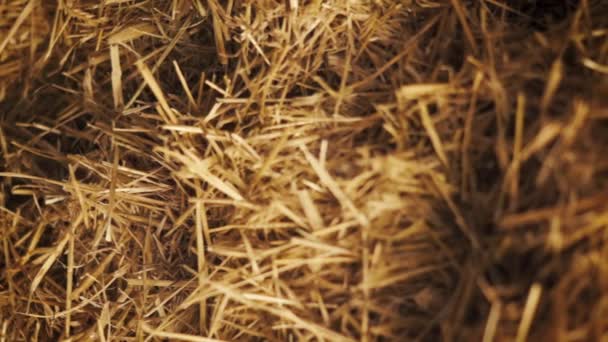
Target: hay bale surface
[303,170]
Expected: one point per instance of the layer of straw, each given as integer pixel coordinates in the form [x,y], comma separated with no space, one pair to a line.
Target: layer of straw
[303,170]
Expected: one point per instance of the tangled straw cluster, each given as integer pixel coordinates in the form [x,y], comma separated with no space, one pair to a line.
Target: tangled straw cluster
[23,29]
[303,170]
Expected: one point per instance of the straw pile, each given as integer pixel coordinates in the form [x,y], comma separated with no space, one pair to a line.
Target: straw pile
[303,170]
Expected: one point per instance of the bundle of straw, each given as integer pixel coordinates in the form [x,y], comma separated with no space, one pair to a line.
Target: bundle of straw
[303,170]
[23,29]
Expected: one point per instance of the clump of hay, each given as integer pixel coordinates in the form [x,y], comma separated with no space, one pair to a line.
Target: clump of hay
[23,29]
[303,170]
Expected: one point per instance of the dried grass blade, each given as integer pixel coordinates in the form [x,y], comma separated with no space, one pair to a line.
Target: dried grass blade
[335,189]
[25,12]
[52,257]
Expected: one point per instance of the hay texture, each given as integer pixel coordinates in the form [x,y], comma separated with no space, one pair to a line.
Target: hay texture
[303,170]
